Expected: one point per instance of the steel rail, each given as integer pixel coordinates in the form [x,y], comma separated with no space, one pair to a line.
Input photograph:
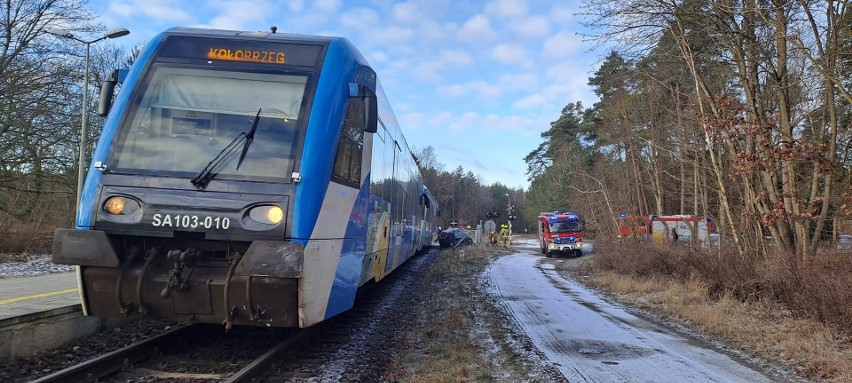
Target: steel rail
[114,361]
[263,365]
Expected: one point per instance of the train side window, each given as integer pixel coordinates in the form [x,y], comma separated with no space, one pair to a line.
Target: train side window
[347,164]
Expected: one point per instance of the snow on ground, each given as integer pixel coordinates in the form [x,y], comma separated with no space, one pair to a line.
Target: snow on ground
[29,265]
[589,339]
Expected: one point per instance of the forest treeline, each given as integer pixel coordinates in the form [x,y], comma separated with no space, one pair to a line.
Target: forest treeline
[734,110]
[737,110]
[41,85]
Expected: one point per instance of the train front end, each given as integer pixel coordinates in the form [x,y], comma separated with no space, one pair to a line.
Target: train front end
[188,208]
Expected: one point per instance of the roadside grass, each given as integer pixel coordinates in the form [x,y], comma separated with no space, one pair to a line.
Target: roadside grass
[795,315]
[15,242]
[463,336]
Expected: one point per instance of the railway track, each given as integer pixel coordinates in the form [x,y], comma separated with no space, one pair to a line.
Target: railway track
[356,345]
[194,352]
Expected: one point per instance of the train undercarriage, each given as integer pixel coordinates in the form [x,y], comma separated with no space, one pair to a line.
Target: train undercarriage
[194,281]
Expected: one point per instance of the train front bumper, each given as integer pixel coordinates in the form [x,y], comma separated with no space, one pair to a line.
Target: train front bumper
[164,279]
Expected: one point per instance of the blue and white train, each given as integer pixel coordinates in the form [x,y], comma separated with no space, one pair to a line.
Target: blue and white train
[244,178]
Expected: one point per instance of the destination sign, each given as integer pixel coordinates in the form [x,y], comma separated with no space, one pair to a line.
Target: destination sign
[249,55]
[263,51]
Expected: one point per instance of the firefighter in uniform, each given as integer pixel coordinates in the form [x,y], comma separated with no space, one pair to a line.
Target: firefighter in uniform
[504,235]
[492,238]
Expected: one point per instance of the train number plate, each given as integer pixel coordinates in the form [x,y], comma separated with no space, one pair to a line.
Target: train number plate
[190,221]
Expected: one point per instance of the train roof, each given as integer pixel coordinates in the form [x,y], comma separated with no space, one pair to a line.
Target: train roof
[209,32]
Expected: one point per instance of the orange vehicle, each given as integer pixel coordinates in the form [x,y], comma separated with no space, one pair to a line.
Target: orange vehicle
[630,226]
[560,233]
[659,228]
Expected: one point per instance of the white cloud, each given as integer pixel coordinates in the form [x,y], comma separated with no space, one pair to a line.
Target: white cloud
[413,121]
[509,53]
[477,28]
[561,44]
[535,100]
[486,89]
[406,13]
[360,19]
[563,14]
[465,121]
[513,123]
[398,65]
[483,89]
[239,15]
[375,57]
[160,10]
[391,35]
[532,26]
[568,84]
[427,71]
[433,32]
[295,5]
[327,6]
[490,124]
[496,155]
[507,8]
[520,80]
[455,57]
[305,22]
[453,90]
[552,97]
[573,71]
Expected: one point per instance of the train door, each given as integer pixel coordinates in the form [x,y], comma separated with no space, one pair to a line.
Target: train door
[379,228]
[424,220]
[397,207]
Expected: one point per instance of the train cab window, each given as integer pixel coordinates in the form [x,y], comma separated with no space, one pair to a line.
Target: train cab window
[347,163]
[184,116]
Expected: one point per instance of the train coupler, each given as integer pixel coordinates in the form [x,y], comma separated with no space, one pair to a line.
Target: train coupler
[181,259]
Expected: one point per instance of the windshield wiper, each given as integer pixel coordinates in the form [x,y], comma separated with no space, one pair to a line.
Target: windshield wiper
[249,139]
[203,178]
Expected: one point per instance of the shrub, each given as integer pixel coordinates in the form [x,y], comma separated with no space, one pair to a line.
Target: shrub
[819,289]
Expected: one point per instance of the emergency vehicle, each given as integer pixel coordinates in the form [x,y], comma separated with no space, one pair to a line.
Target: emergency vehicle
[662,227]
[560,233]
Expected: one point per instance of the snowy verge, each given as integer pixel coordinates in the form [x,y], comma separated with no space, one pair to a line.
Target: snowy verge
[29,265]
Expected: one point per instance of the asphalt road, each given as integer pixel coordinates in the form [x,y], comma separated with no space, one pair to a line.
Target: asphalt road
[591,340]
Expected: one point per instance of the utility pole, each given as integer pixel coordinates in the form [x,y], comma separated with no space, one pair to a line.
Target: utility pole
[508,217]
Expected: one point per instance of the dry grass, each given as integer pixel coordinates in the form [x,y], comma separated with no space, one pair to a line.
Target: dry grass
[20,238]
[462,337]
[796,316]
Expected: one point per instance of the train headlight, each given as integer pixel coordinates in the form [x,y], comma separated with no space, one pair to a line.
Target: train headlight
[115,205]
[271,215]
[121,206]
[122,209]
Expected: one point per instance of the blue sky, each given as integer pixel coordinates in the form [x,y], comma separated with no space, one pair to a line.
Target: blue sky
[477,80]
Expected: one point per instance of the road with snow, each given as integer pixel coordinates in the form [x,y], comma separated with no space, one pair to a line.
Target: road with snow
[591,340]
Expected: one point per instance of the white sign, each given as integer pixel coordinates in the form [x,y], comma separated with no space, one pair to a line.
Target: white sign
[490,225]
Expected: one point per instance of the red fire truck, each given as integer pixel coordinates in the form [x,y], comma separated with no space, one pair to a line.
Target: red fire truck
[560,233]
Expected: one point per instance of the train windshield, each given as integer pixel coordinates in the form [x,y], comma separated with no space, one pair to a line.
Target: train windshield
[565,226]
[182,117]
